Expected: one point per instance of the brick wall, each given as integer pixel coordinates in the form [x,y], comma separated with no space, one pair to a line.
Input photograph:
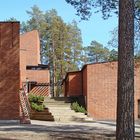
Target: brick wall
[30,42]
[74,81]
[84,85]
[29,52]
[30,56]
[22,65]
[100,89]
[9,71]
[29,45]
[41,76]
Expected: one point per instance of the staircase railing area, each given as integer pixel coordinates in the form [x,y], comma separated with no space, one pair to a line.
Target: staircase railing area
[24,106]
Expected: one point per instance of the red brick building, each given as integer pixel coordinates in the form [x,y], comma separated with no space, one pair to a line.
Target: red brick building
[98,84]
[9,71]
[31,68]
[19,60]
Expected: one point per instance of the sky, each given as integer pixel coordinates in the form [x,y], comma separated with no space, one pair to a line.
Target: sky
[94,29]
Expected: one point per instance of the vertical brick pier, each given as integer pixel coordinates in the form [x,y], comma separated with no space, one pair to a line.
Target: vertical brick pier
[9,71]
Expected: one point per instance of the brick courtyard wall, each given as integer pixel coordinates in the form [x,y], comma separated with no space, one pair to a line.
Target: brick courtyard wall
[102,90]
[98,84]
[9,71]
[74,84]
[41,76]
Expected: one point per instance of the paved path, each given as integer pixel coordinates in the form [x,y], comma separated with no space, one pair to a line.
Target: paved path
[40,130]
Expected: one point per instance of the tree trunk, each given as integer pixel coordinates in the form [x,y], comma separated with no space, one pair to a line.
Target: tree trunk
[53,70]
[53,79]
[125,93]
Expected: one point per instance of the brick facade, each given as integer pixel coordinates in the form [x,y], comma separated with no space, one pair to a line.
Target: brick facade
[41,76]
[30,66]
[9,71]
[74,83]
[30,42]
[16,53]
[100,90]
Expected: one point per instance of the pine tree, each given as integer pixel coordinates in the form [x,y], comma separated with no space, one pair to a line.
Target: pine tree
[125,93]
[61,43]
[97,53]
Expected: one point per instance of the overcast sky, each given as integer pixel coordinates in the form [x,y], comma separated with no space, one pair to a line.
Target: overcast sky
[94,29]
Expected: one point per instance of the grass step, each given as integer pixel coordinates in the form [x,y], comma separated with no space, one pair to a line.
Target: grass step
[57,98]
[62,111]
[56,103]
[59,108]
[67,114]
[63,103]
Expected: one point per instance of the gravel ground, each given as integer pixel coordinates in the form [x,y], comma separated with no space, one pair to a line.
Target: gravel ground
[41,130]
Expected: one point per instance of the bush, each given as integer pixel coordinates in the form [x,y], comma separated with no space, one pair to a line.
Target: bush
[35,98]
[37,107]
[36,102]
[77,108]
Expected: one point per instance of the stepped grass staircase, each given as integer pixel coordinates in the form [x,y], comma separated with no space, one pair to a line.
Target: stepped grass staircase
[57,109]
[61,110]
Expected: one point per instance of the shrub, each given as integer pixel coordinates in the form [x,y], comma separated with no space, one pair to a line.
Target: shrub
[37,107]
[35,98]
[40,99]
[77,108]
[36,102]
